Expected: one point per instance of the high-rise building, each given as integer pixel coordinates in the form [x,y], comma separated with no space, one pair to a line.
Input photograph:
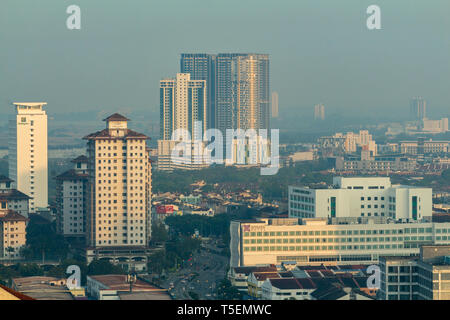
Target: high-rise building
[237,84]
[274,104]
[183,106]
[118,193]
[201,66]
[182,103]
[319,112]
[250,92]
[418,108]
[28,152]
[71,188]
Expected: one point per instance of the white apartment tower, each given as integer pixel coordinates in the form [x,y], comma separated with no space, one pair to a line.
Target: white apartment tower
[28,152]
[119,187]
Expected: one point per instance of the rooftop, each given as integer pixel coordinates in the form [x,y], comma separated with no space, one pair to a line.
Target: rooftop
[82,159]
[116,117]
[11,215]
[119,282]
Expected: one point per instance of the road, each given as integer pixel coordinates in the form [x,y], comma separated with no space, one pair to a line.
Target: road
[199,275]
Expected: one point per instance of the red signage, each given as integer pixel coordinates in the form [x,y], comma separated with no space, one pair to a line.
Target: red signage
[164,209]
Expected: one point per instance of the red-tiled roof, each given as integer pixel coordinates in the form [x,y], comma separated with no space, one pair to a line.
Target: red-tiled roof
[11,215]
[15,293]
[72,175]
[13,194]
[5,179]
[82,159]
[104,134]
[116,117]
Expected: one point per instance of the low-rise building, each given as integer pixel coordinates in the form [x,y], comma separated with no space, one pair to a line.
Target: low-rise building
[123,287]
[238,275]
[288,288]
[42,288]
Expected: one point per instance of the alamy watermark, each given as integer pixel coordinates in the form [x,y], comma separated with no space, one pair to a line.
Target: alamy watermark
[241,147]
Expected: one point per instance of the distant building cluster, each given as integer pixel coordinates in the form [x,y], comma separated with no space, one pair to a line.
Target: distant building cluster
[215,91]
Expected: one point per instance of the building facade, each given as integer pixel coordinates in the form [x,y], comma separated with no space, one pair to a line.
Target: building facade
[317,242]
[361,197]
[119,189]
[13,199]
[71,204]
[12,234]
[28,163]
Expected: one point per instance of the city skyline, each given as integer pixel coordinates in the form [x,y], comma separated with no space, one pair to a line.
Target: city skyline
[297,68]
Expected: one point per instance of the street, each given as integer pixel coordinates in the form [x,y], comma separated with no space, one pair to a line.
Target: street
[199,275]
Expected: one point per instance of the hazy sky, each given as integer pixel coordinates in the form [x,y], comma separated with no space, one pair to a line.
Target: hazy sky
[321,50]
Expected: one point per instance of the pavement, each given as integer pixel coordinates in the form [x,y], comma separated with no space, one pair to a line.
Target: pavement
[199,275]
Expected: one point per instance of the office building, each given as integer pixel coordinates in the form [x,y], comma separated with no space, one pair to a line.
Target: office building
[361,197]
[425,277]
[274,104]
[351,142]
[319,112]
[118,220]
[366,163]
[71,189]
[28,152]
[329,241]
[422,146]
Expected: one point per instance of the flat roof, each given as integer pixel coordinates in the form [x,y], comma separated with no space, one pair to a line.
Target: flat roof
[30,104]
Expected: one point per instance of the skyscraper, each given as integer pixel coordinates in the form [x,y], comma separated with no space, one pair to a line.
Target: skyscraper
[201,66]
[182,103]
[319,112]
[250,92]
[418,108]
[28,152]
[274,104]
[119,187]
[227,98]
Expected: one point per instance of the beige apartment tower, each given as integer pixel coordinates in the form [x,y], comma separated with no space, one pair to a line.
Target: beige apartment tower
[119,188]
[28,152]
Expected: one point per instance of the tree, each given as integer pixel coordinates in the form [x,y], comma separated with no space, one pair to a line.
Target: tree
[159,233]
[226,291]
[99,267]
[43,241]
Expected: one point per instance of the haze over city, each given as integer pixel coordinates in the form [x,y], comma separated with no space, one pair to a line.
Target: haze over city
[245,150]
[320,51]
